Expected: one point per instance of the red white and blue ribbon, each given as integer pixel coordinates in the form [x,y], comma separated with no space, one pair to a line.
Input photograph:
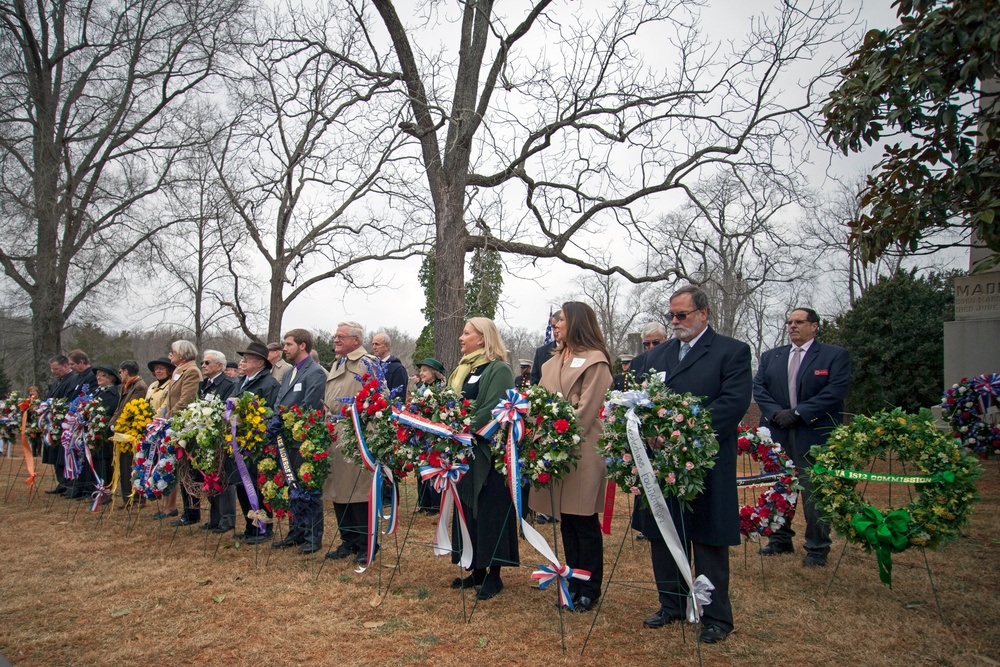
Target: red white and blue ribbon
[463,438]
[233,418]
[381,474]
[511,410]
[444,479]
[987,388]
[99,489]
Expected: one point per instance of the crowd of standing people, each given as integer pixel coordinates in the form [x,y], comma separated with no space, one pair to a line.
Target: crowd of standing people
[688,355]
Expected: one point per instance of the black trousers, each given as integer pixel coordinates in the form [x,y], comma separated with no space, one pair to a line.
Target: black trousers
[125,474]
[584,547]
[427,497]
[222,508]
[241,494]
[352,522]
[709,560]
[817,531]
[192,504]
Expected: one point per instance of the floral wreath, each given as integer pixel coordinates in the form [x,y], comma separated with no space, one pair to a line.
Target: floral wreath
[776,505]
[427,425]
[314,436]
[154,472]
[50,415]
[943,475]
[688,446]
[10,419]
[130,428]
[252,415]
[91,419]
[374,412]
[965,404]
[202,431]
[550,444]
[31,426]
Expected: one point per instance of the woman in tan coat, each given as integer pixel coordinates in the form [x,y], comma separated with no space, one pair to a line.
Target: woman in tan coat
[580,369]
[183,389]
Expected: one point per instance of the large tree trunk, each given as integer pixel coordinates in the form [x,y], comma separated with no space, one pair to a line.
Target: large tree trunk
[449,275]
[275,306]
[47,323]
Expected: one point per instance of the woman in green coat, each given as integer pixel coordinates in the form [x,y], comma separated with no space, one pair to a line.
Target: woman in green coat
[483,377]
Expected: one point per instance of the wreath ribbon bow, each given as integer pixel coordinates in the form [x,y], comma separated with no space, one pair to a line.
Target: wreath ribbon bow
[886,535]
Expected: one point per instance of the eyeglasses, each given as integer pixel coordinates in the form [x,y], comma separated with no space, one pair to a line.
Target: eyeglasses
[681,316]
[206,363]
[651,343]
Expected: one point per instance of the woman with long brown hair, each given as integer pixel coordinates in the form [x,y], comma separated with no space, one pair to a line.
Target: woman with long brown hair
[580,369]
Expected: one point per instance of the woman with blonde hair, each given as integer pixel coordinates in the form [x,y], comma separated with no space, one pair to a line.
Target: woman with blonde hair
[483,377]
[580,370]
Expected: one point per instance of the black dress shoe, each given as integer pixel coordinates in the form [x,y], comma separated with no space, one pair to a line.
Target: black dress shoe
[660,619]
[207,526]
[712,634]
[340,553]
[258,539]
[59,489]
[362,557]
[241,536]
[183,521]
[584,603]
[219,530]
[310,548]
[774,548]
[289,542]
[814,560]
[491,586]
[470,581]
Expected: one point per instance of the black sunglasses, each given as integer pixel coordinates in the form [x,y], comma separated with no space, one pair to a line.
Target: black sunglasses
[650,343]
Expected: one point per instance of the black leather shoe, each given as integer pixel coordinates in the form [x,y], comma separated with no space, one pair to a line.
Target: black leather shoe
[258,539]
[340,553]
[470,581]
[362,557]
[814,560]
[640,537]
[207,526]
[289,542]
[491,586]
[59,489]
[712,634]
[241,536]
[584,603]
[183,521]
[661,618]
[219,530]
[775,548]
[310,548]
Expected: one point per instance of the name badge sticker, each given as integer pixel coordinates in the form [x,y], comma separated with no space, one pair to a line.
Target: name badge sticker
[177,376]
[297,387]
[662,376]
[822,371]
[577,362]
[474,379]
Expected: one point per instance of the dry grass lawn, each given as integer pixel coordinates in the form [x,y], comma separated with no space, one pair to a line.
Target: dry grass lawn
[78,589]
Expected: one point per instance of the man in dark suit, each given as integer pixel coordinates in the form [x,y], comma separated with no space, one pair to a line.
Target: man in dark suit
[543,353]
[716,367]
[222,507]
[86,382]
[62,388]
[801,408]
[255,377]
[396,377]
[304,385]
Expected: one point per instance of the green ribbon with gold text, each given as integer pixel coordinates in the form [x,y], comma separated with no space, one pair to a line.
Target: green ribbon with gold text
[946,477]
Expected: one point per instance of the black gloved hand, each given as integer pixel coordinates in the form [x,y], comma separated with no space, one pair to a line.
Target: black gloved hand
[785,418]
[274,428]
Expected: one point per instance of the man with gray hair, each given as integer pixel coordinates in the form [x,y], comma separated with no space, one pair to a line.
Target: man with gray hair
[653,334]
[278,365]
[395,373]
[222,506]
[348,483]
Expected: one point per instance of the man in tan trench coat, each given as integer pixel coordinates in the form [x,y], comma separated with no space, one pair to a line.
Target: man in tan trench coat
[348,484]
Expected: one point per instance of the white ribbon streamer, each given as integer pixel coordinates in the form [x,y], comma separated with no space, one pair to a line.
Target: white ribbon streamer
[700,588]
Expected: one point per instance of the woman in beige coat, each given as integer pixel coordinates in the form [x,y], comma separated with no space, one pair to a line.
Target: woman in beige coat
[182,390]
[580,370]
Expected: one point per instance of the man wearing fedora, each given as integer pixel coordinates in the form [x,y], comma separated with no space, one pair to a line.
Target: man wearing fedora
[108,394]
[255,377]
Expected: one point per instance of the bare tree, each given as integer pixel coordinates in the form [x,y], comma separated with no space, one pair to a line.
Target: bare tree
[90,92]
[730,240]
[556,114]
[310,137]
[619,308]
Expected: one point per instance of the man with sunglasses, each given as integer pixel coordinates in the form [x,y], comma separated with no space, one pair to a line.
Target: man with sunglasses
[653,334]
[717,368]
[800,390]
